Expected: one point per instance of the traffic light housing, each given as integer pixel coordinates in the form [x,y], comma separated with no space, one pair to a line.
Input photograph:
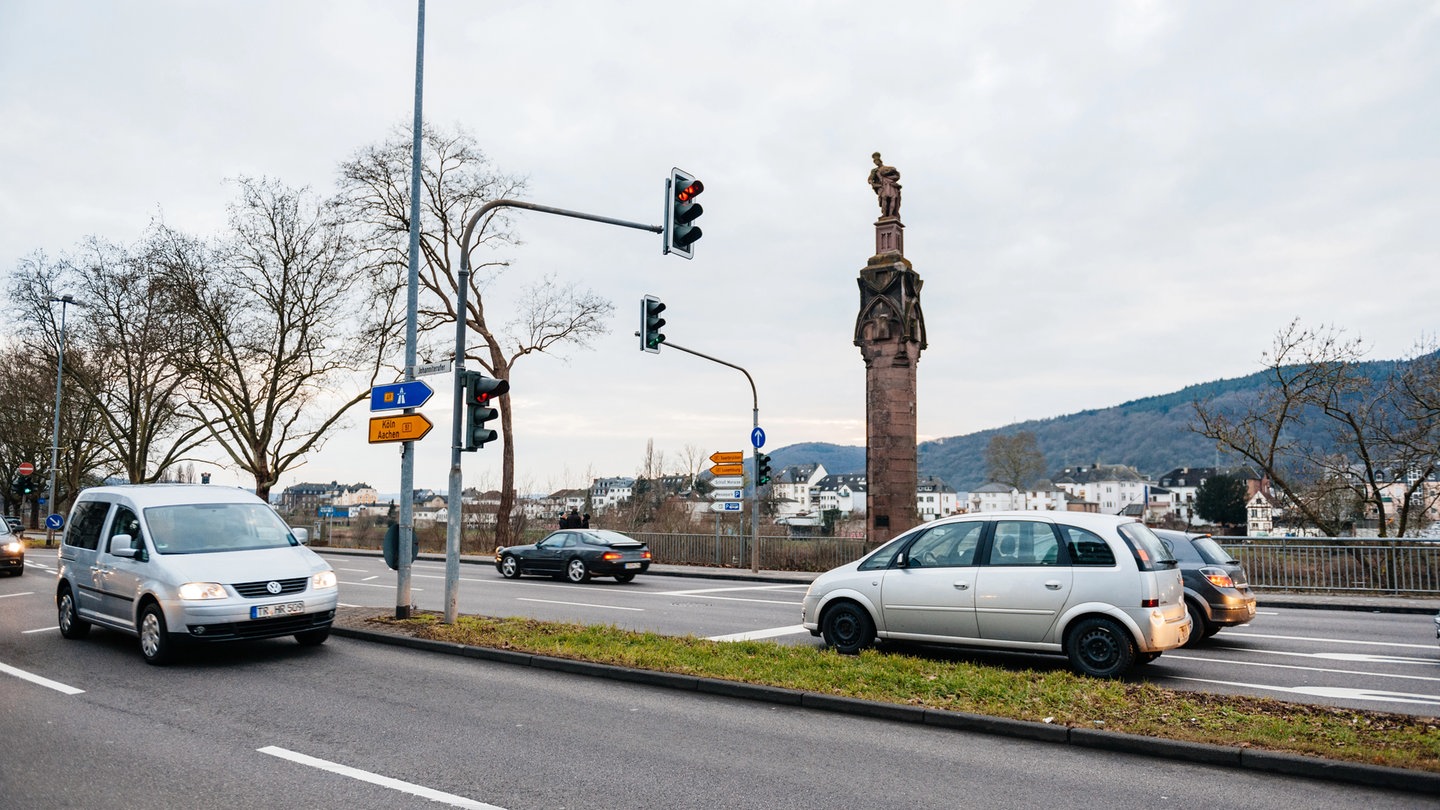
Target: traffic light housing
[681,211]
[25,485]
[650,322]
[478,393]
[762,469]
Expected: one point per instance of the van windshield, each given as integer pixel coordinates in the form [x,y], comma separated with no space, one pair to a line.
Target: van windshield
[210,527]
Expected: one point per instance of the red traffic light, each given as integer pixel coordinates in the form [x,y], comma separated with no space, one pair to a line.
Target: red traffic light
[689,192]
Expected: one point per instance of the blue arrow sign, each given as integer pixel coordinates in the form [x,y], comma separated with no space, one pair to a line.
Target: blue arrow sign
[54,522]
[757,438]
[411,394]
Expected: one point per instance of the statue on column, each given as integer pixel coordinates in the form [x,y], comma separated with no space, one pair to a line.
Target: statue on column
[885,180]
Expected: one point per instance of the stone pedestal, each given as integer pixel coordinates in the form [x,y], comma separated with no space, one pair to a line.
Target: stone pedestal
[890,331]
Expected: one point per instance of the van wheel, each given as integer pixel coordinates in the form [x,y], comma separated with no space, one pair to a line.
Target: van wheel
[1100,648]
[155,642]
[848,628]
[71,625]
[313,638]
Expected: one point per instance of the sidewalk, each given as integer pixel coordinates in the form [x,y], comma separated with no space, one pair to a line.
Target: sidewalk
[1309,601]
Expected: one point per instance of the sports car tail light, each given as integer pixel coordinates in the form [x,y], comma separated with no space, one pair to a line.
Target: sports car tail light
[610,555]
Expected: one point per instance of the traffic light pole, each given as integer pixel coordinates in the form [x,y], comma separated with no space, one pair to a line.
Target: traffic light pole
[755,423]
[453,525]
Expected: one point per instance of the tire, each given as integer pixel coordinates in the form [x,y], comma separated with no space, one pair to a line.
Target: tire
[848,628]
[155,643]
[1100,648]
[1211,630]
[1199,629]
[509,567]
[71,625]
[576,572]
[313,638]
[624,577]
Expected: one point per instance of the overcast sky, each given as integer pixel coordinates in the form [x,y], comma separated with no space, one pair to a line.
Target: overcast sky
[1106,200]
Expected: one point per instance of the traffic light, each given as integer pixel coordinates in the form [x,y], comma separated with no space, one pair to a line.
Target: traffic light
[479,390]
[25,485]
[681,211]
[762,469]
[650,323]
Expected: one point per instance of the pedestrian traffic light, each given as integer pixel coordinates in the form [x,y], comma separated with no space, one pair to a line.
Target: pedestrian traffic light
[681,211]
[479,391]
[650,323]
[762,469]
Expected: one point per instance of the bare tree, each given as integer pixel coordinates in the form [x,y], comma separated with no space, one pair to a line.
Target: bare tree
[1331,429]
[1014,460]
[281,328]
[457,179]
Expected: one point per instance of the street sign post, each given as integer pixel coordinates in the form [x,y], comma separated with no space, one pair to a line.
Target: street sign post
[725,506]
[728,463]
[757,437]
[441,367]
[410,427]
[408,394]
[728,482]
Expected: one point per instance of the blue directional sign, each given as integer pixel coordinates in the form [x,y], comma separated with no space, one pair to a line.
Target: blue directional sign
[56,522]
[757,438]
[411,394]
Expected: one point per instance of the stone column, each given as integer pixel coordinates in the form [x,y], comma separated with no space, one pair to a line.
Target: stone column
[890,331]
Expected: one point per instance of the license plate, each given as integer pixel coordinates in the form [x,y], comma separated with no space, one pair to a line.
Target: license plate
[632,565]
[284,609]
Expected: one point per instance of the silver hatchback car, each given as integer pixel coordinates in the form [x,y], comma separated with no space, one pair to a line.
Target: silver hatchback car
[1100,589]
[189,563]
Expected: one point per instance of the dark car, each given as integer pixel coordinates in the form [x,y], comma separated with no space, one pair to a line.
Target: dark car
[576,555]
[12,552]
[1217,592]
[14,524]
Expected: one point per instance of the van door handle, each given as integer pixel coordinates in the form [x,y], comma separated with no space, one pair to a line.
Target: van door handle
[961,585]
[1053,584]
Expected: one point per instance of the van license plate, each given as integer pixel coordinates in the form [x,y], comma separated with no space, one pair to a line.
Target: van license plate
[285,609]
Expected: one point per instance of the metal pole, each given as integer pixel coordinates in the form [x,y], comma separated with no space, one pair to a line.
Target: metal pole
[755,399]
[407,449]
[65,302]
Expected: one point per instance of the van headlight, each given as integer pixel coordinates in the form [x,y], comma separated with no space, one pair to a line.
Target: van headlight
[202,590]
[322,579]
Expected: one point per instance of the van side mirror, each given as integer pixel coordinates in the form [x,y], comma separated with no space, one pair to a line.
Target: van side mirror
[301,535]
[121,546]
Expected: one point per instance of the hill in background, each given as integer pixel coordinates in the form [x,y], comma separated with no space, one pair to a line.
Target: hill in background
[1153,435]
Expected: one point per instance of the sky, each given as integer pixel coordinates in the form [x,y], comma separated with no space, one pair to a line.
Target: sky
[1106,200]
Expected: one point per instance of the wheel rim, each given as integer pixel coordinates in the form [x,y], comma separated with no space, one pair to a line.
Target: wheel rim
[509,565]
[1099,648]
[150,634]
[845,628]
[576,570]
[67,612]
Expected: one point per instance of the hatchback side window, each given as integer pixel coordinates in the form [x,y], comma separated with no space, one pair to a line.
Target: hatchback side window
[1086,548]
[1024,542]
[85,524]
[947,546]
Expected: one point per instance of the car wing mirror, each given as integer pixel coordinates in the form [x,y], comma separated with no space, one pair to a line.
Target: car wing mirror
[120,546]
[900,560]
[302,536]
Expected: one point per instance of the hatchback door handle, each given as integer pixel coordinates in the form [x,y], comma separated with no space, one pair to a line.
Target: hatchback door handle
[1053,584]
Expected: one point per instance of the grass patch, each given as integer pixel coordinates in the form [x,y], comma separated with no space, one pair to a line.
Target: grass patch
[1055,696]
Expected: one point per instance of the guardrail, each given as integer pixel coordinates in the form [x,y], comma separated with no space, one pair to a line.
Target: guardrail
[1403,567]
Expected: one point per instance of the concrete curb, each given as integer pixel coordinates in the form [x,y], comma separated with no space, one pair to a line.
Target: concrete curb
[1423,782]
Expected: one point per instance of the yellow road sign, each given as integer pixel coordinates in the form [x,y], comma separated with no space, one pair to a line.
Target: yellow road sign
[727,458]
[727,469]
[408,427]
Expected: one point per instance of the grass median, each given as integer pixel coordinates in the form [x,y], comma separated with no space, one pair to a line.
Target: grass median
[917,679]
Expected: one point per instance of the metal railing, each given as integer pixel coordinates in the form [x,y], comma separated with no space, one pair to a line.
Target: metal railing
[1404,567]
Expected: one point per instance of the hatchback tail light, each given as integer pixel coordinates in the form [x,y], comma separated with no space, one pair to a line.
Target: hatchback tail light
[1218,577]
[1149,603]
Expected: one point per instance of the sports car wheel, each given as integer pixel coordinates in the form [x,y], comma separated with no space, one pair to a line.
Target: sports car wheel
[575,571]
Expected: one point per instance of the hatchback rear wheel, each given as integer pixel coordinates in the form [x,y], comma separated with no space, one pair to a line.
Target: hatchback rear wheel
[1100,648]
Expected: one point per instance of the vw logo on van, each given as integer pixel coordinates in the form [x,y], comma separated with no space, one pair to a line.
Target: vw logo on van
[272,586]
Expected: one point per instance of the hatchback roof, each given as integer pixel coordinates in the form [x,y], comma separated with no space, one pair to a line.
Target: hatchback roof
[143,495]
[1082,519]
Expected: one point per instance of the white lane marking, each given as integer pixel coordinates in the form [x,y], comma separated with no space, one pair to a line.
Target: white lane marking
[367,579]
[36,679]
[756,635]
[374,585]
[22,593]
[693,591]
[1293,666]
[376,779]
[355,570]
[1248,634]
[578,604]
[41,630]
[1339,692]
[347,604]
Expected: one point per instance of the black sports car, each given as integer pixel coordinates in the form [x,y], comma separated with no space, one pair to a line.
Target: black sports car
[576,555]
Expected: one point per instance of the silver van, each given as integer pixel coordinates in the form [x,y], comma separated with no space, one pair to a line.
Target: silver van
[174,563]
[1099,589]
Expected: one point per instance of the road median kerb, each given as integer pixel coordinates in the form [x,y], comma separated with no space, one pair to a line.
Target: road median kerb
[1134,744]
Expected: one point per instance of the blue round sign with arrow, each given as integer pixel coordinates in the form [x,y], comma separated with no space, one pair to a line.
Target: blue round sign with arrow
[54,521]
[757,438]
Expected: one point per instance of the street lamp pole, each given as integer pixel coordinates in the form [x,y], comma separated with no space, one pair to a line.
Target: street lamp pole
[65,302]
